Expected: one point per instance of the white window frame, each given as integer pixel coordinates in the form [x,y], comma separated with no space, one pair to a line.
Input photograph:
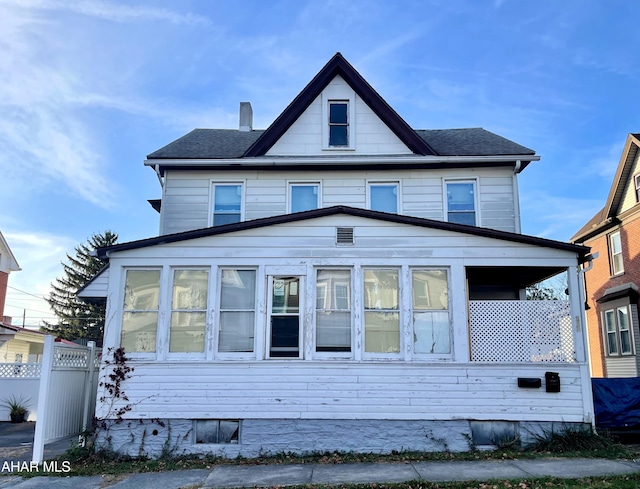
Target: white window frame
[616,331]
[476,200]
[301,315]
[212,186]
[303,183]
[336,355]
[410,293]
[367,355]
[613,253]
[636,180]
[218,310]
[385,183]
[160,330]
[166,331]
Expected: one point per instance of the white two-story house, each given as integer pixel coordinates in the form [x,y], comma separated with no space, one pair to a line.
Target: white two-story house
[340,281]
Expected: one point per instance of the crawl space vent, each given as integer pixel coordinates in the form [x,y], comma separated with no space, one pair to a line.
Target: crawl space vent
[344,236]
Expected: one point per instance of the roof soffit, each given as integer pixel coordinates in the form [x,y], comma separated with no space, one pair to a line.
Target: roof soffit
[338,65]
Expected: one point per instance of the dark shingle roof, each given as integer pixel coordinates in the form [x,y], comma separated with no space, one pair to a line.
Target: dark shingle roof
[231,143]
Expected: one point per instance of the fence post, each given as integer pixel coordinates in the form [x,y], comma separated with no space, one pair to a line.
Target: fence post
[43,400]
[88,390]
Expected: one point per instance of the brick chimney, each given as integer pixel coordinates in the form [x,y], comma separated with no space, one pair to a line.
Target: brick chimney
[246,117]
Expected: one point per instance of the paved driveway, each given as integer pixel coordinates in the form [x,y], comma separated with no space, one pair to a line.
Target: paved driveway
[16,443]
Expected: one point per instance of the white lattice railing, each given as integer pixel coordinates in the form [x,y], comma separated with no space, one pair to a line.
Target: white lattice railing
[521,331]
[70,357]
[19,370]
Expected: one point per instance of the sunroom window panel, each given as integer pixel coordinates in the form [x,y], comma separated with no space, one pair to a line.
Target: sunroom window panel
[431,324]
[431,332]
[188,311]
[237,311]
[384,198]
[382,316]
[140,311]
[333,313]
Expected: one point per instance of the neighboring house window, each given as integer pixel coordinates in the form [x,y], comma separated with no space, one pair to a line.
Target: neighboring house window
[237,310]
[338,123]
[189,311]
[636,180]
[615,253]
[381,311]
[461,202]
[617,331]
[431,330]
[227,203]
[333,311]
[383,196]
[304,196]
[140,311]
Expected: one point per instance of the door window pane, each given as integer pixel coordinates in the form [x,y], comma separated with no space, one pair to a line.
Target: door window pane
[237,310]
[285,318]
[140,310]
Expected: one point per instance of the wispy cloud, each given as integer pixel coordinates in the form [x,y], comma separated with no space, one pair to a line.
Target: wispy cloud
[115,12]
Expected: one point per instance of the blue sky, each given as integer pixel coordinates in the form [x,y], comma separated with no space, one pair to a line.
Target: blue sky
[89,88]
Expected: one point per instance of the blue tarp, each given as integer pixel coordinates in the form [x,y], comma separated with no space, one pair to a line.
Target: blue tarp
[617,403]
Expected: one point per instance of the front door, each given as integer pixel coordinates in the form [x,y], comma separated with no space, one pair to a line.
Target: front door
[283,339]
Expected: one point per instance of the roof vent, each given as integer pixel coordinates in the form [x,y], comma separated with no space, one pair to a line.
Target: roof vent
[246,117]
[344,236]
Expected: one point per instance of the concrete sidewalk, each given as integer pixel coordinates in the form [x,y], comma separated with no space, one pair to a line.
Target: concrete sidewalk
[226,476]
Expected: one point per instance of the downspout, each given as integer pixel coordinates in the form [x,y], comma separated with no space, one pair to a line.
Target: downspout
[517,168]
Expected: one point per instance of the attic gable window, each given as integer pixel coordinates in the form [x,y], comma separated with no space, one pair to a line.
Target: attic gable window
[338,124]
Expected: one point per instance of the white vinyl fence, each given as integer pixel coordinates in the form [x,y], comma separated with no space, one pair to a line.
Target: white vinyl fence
[62,391]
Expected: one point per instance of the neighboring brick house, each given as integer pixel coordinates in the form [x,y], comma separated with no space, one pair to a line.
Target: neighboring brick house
[613,281]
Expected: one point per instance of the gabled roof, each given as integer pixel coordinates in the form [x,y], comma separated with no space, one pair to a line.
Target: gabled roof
[582,251]
[338,66]
[607,216]
[12,262]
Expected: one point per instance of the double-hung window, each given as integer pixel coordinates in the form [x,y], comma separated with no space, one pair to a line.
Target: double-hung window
[188,311]
[618,331]
[304,196]
[461,201]
[615,253]
[431,328]
[333,310]
[140,310]
[237,311]
[338,123]
[383,196]
[381,311]
[636,181]
[227,202]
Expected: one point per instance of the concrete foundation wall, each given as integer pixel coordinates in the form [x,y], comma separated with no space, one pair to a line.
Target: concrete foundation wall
[145,438]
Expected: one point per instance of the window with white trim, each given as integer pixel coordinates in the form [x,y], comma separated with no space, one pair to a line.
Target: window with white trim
[618,331]
[333,310]
[636,180]
[140,310]
[381,311]
[187,329]
[237,320]
[338,123]
[461,201]
[227,202]
[384,196]
[304,196]
[615,253]
[430,307]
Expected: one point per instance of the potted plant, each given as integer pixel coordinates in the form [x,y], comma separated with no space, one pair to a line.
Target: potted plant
[17,408]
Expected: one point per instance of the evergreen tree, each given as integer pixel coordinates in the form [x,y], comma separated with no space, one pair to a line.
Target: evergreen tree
[77,319]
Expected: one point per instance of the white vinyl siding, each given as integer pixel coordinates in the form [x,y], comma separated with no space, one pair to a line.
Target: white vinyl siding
[630,197]
[186,201]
